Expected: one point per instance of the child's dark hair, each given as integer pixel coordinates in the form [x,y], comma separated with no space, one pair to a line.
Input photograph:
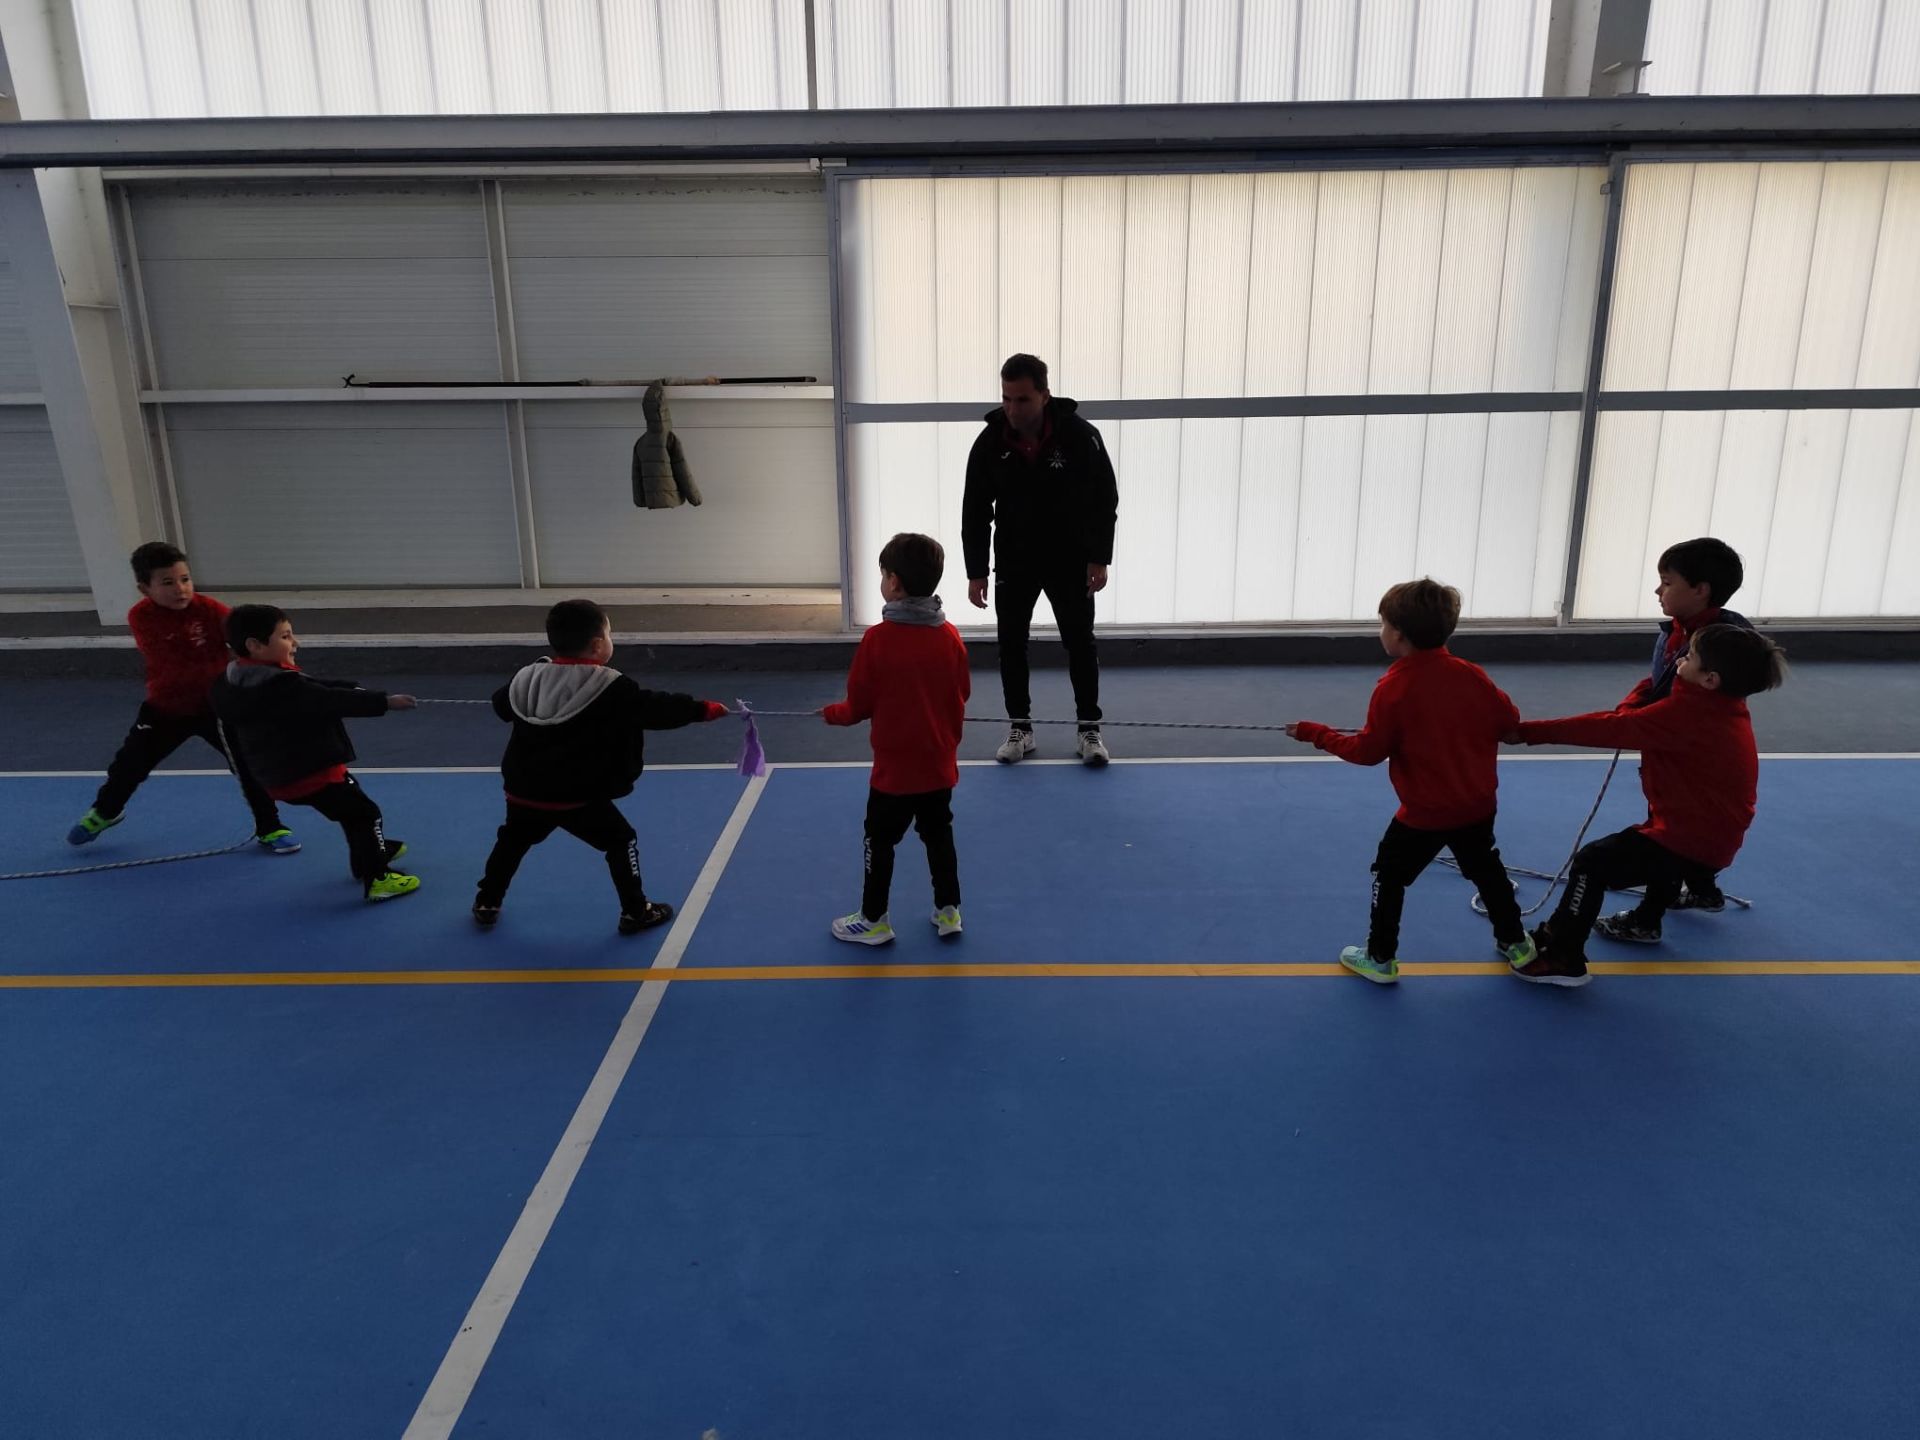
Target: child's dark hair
[1425,611]
[252,622]
[1025,367]
[918,560]
[1746,661]
[1706,561]
[152,556]
[573,625]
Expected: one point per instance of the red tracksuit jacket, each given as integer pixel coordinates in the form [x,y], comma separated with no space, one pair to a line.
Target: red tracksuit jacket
[185,651]
[1699,766]
[912,682]
[1437,721]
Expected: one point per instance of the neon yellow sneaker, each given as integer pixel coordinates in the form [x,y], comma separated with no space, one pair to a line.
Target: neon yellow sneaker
[1380,972]
[91,826]
[392,885]
[946,921]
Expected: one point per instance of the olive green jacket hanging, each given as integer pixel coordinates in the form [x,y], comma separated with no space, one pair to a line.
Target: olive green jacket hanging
[661,476]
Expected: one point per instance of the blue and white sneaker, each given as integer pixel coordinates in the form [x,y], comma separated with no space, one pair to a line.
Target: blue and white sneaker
[856,929]
[278,842]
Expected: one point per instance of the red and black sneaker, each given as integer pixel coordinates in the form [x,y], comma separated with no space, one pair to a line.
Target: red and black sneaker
[1550,967]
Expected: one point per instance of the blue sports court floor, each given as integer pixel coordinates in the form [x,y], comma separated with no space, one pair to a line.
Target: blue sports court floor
[276,1163]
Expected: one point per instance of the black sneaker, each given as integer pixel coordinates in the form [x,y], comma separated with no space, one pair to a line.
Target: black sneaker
[1712,901]
[1628,928]
[655,913]
[485,915]
[1550,968]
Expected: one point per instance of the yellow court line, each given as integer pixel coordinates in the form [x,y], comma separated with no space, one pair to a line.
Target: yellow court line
[135,980]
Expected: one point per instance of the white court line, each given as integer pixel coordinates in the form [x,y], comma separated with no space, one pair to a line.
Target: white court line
[1587,757]
[453,1382]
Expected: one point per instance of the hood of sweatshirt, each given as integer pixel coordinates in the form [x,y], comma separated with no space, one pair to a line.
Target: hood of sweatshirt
[544,693]
[914,610]
[243,675]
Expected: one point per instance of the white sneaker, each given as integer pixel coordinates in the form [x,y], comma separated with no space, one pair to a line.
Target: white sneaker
[1093,750]
[1017,746]
[856,929]
[946,921]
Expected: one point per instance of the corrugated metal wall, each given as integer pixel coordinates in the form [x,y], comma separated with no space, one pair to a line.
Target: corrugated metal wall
[271,287]
[148,58]
[1764,277]
[1783,47]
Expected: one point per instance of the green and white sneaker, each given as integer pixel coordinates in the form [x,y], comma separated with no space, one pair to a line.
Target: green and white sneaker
[1380,972]
[856,929]
[278,842]
[91,826]
[1518,956]
[392,885]
[946,921]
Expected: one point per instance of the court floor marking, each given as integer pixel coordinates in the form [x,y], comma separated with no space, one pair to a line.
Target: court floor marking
[452,1385]
[1589,757]
[668,972]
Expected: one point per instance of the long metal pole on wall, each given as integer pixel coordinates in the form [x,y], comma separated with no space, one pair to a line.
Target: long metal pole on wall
[841,483]
[1590,401]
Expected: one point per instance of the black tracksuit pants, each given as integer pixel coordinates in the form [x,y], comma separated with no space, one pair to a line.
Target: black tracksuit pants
[888,817]
[1405,852]
[353,810]
[598,823]
[1618,862]
[156,735]
[1015,593]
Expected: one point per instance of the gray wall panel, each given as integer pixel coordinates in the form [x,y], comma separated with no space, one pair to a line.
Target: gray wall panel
[275,221]
[39,547]
[769,516]
[17,373]
[252,324]
[625,319]
[718,216]
[388,495]
[263,286]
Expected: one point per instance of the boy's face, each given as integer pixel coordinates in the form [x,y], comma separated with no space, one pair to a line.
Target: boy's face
[170,589]
[601,650]
[1693,672]
[1393,640]
[891,588]
[279,650]
[1679,598]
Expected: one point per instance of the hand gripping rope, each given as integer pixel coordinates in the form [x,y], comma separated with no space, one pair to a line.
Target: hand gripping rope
[753,762]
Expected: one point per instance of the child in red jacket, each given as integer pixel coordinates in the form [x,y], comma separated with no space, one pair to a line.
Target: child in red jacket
[910,678]
[1437,721]
[1699,769]
[182,638]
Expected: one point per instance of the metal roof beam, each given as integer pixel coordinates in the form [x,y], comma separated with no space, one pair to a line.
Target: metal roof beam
[1848,120]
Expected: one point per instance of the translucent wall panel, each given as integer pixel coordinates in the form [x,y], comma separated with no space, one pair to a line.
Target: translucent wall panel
[1142,286]
[1268,519]
[147,58]
[1768,276]
[1792,47]
[1823,506]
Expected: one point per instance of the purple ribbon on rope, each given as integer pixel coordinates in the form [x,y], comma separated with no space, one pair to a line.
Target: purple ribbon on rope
[753,760]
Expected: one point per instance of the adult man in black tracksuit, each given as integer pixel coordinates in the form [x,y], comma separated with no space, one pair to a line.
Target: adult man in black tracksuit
[1039,481]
